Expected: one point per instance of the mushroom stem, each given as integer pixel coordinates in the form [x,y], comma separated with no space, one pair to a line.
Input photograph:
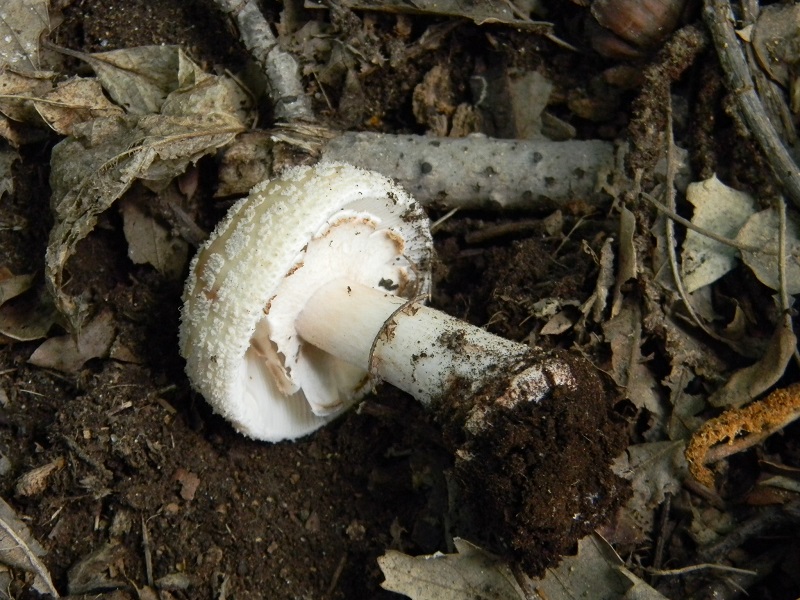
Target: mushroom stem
[501,405]
[420,350]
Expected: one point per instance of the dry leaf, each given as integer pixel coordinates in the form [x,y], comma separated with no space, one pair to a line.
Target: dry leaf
[747,383]
[654,469]
[153,79]
[74,101]
[722,210]
[488,11]
[101,161]
[528,96]
[557,324]
[472,573]
[776,40]
[150,242]
[596,304]
[210,94]
[140,79]
[12,285]
[18,90]
[627,256]
[98,571]
[18,549]
[623,333]
[7,159]
[105,156]
[685,406]
[18,134]
[761,231]
[65,354]
[34,482]
[22,22]
[30,317]
[595,572]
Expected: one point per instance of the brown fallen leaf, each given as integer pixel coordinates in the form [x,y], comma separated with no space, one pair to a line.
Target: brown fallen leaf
[630,370]
[25,314]
[34,482]
[654,469]
[775,41]
[12,285]
[21,26]
[20,550]
[18,89]
[140,79]
[749,382]
[65,353]
[74,101]
[471,573]
[92,169]
[150,242]
[163,79]
[100,570]
[7,159]
[489,11]
[27,317]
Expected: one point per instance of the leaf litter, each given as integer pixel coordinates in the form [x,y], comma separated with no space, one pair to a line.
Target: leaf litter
[21,25]
[20,550]
[165,113]
[722,210]
[105,156]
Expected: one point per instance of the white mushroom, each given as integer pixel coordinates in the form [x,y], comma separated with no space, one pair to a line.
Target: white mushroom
[251,279]
[310,290]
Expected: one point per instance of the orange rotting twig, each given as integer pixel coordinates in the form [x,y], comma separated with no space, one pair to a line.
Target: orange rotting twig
[758,420]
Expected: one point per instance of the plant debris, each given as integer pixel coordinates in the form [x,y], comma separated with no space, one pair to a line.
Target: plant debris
[629,211]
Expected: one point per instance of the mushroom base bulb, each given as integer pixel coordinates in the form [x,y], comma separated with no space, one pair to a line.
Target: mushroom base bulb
[249,282]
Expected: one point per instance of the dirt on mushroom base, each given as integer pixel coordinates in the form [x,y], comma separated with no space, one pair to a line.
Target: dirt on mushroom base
[538,471]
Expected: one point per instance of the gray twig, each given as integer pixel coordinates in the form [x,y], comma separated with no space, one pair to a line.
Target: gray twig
[479,172]
[286,91]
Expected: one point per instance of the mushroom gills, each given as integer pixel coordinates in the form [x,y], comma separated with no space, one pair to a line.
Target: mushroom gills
[360,247]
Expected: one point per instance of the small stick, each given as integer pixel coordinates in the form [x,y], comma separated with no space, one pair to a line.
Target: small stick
[289,99]
[700,567]
[148,556]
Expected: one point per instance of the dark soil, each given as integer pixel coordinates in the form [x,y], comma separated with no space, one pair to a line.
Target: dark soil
[152,477]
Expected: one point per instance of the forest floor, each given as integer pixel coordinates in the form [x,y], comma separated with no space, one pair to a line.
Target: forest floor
[134,488]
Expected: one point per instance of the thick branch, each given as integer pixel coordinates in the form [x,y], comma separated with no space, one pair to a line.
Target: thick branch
[479,171]
[719,18]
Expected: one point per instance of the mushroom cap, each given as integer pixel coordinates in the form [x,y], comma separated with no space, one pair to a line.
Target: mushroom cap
[252,277]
